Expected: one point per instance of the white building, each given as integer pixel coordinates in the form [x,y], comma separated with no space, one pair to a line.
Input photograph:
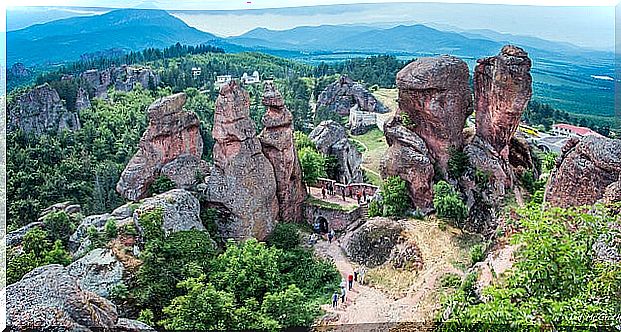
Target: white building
[251,79]
[222,80]
[196,72]
[567,130]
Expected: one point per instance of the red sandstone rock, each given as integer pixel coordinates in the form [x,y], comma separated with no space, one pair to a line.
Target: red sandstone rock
[277,141]
[172,133]
[242,179]
[435,94]
[408,158]
[586,172]
[502,89]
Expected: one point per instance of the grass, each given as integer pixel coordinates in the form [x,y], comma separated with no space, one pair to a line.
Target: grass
[443,251]
[375,147]
[388,97]
[372,177]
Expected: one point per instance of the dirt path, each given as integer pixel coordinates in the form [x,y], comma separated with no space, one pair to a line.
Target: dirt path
[363,304]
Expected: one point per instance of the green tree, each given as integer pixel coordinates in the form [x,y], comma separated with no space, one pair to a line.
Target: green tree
[58,254]
[313,165]
[58,226]
[458,163]
[448,203]
[285,236]
[396,200]
[161,184]
[289,307]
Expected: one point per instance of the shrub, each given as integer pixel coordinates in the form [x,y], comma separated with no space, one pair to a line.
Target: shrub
[58,226]
[110,229]
[451,280]
[301,141]
[36,242]
[375,209]
[448,203]
[146,316]
[151,223]
[119,292]
[96,238]
[58,255]
[162,184]
[209,216]
[477,254]
[458,163]
[481,178]
[285,236]
[396,200]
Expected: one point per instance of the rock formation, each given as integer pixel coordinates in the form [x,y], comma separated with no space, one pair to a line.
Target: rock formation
[585,170]
[408,157]
[172,133]
[435,95]
[278,146]
[123,78]
[18,71]
[502,90]
[360,121]
[242,180]
[49,296]
[41,110]
[98,271]
[330,139]
[341,95]
[82,100]
[372,243]
[180,212]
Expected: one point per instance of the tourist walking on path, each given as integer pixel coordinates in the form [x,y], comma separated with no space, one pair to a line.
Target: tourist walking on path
[356,272]
[330,236]
[359,197]
[364,196]
[363,272]
[343,192]
[323,192]
[350,281]
[343,293]
[335,300]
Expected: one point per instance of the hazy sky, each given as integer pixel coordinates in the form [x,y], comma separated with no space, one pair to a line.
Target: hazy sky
[247,4]
[587,23]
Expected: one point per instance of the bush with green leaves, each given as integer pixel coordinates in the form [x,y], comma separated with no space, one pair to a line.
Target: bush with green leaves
[285,236]
[448,204]
[458,163]
[58,226]
[313,165]
[556,280]
[110,229]
[375,209]
[450,280]
[395,199]
[161,184]
[477,253]
[301,140]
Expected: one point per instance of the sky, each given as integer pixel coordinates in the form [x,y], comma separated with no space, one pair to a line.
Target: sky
[248,4]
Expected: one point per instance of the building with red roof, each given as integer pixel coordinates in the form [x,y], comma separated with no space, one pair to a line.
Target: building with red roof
[567,130]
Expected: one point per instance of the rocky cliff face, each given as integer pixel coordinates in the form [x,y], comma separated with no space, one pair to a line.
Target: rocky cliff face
[172,133]
[435,95]
[123,78]
[82,100]
[49,296]
[342,95]
[587,170]
[277,142]
[330,139]
[242,179]
[41,110]
[502,89]
[408,158]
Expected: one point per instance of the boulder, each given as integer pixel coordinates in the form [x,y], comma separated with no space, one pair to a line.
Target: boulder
[181,210]
[278,146]
[612,193]
[435,94]
[41,110]
[330,139]
[172,133]
[408,157]
[123,78]
[186,171]
[82,100]
[341,95]
[372,243]
[16,237]
[521,157]
[98,271]
[49,296]
[78,241]
[242,181]
[584,171]
[502,90]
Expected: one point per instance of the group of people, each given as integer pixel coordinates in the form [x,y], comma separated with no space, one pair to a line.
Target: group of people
[314,237]
[357,276]
[361,195]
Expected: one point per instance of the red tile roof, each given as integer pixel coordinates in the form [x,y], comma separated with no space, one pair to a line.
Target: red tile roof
[582,131]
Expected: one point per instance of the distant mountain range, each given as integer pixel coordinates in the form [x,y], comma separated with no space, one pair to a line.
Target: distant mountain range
[135,29]
[126,29]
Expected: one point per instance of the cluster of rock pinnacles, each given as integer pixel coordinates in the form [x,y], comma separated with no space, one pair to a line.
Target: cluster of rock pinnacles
[257,179]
